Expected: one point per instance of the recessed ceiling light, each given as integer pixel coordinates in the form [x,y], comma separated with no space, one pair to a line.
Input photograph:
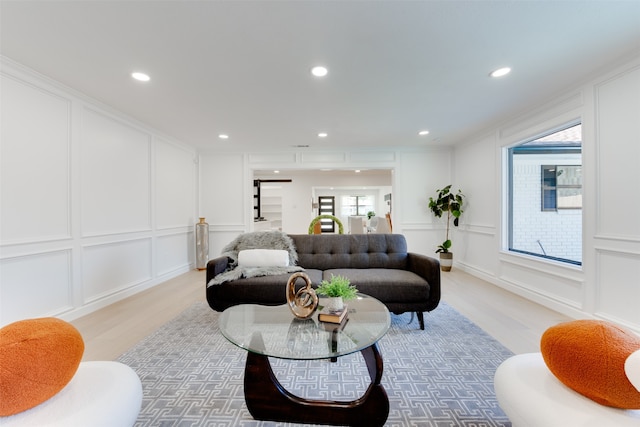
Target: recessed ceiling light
[141,76]
[276,171]
[500,72]
[323,135]
[319,71]
[223,136]
[423,132]
[357,170]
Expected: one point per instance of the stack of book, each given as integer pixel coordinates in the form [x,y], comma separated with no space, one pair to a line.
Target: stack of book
[325,315]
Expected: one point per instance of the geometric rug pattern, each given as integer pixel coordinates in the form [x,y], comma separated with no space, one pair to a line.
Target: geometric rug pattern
[440,377]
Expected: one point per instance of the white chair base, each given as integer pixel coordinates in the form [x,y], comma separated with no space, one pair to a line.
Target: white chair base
[101,394]
[532,396]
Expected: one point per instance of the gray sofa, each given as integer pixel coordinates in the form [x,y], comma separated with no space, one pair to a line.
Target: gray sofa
[377,264]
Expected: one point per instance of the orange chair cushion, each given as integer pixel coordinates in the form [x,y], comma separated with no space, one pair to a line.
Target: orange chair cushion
[38,357]
[588,356]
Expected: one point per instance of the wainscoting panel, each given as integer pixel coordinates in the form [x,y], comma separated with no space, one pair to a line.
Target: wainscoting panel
[421,239]
[476,245]
[218,239]
[36,285]
[543,281]
[372,156]
[329,158]
[482,198]
[272,158]
[175,174]
[81,184]
[36,154]
[419,175]
[618,152]
[223,195]
[112,267]
[116,194]
[618,296]
[174,251]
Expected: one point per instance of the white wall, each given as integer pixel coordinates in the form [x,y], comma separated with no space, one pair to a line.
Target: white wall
[606,286]
[415,175]
[94,205]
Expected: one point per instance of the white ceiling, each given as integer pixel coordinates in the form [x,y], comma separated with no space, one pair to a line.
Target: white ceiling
[395,67]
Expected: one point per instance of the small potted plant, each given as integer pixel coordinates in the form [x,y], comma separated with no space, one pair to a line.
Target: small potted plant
[370,215]
[451,203]
[338,289]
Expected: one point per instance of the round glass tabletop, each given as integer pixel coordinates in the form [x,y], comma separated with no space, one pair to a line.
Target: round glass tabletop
[275,332]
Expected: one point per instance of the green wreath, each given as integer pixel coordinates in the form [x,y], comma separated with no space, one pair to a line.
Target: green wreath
[319,217]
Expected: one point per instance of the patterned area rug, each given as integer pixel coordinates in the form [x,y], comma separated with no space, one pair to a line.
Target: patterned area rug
[442,376]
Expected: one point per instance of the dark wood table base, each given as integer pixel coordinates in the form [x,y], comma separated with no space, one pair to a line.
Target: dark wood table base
[267,399]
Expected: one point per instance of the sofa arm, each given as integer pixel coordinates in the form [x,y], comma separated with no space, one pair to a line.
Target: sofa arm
[429,269]
[216,266]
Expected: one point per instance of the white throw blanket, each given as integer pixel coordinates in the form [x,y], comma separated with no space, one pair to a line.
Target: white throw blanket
[256,240]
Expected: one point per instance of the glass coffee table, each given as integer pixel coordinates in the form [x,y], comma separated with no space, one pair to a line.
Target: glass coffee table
[273,331]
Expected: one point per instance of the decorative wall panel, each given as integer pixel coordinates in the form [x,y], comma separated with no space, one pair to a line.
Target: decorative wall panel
[173,252]
[544,281]
[175,173]
[35,134]
[76,201]
[476,167]
[115,176]
[372,156]
[418,176]
[619,291]
[618,155]
[108,268]
[272,158]
[223,198]
[334,159]
[35,285]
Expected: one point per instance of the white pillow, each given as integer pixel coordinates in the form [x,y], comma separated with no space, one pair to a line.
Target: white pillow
[263,258]
[632,369]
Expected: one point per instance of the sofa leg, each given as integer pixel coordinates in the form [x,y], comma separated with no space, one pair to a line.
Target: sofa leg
[421,319]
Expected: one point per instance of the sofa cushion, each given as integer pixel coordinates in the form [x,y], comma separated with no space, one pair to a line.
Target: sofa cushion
[38,358]
[259,290]
[351,251]
[385,284]
[589,357]
[263,258]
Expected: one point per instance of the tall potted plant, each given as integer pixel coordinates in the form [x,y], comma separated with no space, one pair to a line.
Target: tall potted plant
[450,203]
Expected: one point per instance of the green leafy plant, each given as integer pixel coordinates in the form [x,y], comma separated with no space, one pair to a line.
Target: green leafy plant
[370,214]
[451,204]
[338,286]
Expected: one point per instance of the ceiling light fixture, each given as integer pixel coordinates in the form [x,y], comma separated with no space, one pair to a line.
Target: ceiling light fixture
[500,72]
[323,135]
[357,170]
[142,77]
[423,132]
[223,136]
[319,71]
[276,171]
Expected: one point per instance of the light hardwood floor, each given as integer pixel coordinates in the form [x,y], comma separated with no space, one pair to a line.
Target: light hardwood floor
[514,321]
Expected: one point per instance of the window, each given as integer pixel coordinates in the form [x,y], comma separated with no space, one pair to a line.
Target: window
[561,187]
[357,205]
[545,196]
